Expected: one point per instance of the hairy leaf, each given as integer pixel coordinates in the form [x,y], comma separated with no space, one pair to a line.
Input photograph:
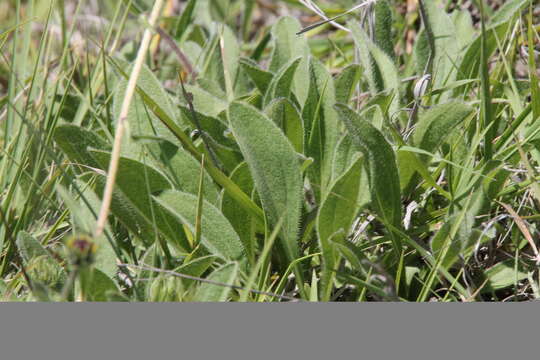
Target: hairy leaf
[217,234]
[336,213]
[286,116]
[225,275]
[274,167]
[289,46]
[381,163]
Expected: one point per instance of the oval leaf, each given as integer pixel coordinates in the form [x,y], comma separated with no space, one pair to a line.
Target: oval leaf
[241,219]
[258,76]
[218,293]
[286,116]
[275,169]
[289,46]
[320,126]
[346,83]
[438,122]
[381,160]
[282,82]
[337,212]
[75,141]
[217,234]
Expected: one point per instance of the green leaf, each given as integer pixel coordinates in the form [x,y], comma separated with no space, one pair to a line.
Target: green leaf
[383,27]
[217,9]
[470,64]
[337,212]
[371,70]
[46,276]
[446,43]
[131,173]
[242,221]
[99,287]
[184,172]
[287,117]
[434,126]
[503,275]
[409,164]
[274,167]
[212,126]
[210,103]
[421,51]
[379,68]
[533,67]
[344,156]
[218,293]
[185,18]
[438,122]
[289,46]
[484,185]
[260,77]
[195,268]
[346,83]
[507,11]
[247,17]
[464,27]
[230,56]
[217,234]
[141,119]
[206,103]
[83,210]
[75,141]
[222,60]
[282,82]
[212,87]
[216,174]
[29,247]
[347,249]
[381,163]
[314,288]
[261,47]
[132,200]
[448,243]
[321,126]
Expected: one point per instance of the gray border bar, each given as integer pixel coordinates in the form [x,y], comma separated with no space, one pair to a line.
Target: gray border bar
[269,331]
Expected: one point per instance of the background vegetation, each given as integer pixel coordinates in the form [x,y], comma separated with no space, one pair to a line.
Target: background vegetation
[391,155]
